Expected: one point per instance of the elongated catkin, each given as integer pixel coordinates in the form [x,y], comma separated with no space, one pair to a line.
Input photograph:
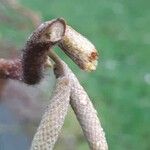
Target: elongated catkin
[79,49]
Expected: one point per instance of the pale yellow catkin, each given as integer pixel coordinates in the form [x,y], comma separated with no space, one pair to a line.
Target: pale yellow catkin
[79,49]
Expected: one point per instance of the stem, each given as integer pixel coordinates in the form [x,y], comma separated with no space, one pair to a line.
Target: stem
[10,69]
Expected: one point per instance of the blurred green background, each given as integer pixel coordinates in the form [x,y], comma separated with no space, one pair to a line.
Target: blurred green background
[120,87]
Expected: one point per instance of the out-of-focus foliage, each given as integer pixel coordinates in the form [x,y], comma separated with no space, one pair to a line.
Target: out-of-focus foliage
[120,87]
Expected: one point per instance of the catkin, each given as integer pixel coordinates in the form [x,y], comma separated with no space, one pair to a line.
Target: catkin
[79,49]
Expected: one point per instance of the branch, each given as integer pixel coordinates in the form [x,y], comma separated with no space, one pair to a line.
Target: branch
[79,49]
[83,53]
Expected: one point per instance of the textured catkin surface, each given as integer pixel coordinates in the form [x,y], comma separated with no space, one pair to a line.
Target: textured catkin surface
[53,118]
[79,49]
[86,114]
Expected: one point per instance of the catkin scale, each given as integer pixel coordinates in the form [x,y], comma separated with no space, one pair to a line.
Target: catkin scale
[79,49]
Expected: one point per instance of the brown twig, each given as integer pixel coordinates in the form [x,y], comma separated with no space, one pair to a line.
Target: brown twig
[30,67]
[26,12]
[32,64]
[79,49]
